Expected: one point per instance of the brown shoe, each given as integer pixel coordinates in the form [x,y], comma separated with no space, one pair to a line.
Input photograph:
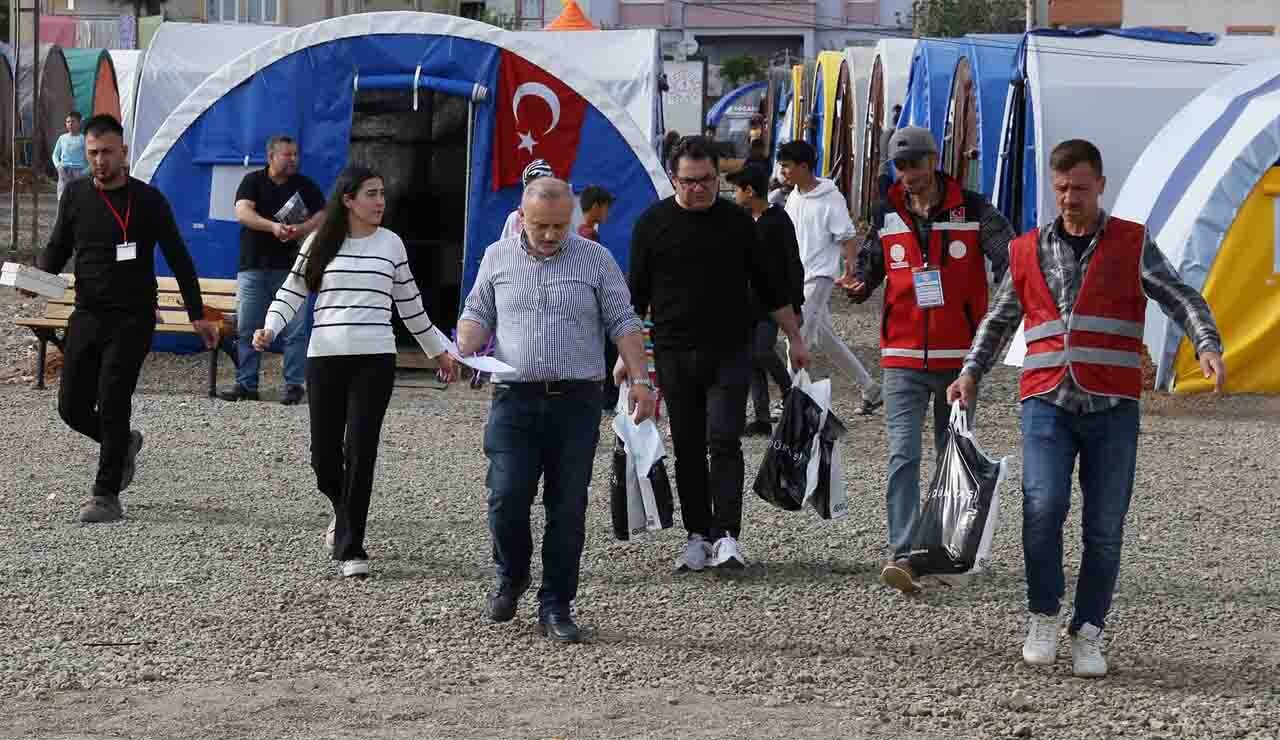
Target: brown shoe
[897,574]
[101,509]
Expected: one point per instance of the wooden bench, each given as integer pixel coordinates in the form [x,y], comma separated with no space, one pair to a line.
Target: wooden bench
[218,294]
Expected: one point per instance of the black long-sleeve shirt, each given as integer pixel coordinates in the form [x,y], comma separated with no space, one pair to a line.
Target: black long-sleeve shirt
[87,228]
[779,236]
[694,271]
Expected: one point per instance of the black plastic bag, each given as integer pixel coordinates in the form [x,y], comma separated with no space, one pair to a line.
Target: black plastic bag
[958,516]
[622,503]
[783,475]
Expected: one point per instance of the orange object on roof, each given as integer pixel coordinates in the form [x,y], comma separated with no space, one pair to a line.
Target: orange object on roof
[571,19]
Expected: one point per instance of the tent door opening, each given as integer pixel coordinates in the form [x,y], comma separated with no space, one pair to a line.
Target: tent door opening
[422,156]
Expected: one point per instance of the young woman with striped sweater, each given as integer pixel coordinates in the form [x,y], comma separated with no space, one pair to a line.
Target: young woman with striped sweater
[358,272]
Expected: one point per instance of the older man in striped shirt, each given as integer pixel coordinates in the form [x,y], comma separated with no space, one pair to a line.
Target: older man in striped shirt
[551,297]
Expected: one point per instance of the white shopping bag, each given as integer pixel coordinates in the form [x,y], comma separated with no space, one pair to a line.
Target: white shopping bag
[644,448]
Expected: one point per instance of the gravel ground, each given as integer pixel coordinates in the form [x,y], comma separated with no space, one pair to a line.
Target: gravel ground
[212,612]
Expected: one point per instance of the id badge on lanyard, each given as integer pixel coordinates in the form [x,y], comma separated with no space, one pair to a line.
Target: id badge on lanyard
[928,284]
[126,250]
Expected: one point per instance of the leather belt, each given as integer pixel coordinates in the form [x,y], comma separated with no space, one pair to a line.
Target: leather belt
[549,387]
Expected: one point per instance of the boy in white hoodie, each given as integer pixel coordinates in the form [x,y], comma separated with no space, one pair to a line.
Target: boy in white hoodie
[824,230]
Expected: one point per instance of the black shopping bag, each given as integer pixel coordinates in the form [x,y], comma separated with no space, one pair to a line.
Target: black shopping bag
[828,496]
[783,475]
[955,522]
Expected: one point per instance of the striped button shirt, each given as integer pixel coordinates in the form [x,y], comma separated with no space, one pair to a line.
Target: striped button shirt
[551,314]
[353,306]
[1064,275]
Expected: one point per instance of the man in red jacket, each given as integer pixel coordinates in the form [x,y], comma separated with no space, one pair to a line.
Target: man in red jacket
[1079,286]
[927,243]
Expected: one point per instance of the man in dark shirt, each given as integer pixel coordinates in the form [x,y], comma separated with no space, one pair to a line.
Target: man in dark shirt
[112,224]
[277,208]
[695,258]
[779,237]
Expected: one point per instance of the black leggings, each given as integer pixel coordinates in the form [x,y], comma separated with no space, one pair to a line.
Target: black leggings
[348,397]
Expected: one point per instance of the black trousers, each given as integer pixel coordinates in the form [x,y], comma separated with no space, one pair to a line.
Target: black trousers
[348,397]
[705,390]
[767,365]
[101,359]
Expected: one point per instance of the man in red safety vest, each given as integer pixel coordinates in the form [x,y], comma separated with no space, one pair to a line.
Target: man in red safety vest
[927,244]
[1079,285]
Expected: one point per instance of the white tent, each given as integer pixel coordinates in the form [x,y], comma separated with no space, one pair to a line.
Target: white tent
[860,59]
[1116,92]
[127,63]
[886,87]
[1190,186]
[627,64]
[180,57]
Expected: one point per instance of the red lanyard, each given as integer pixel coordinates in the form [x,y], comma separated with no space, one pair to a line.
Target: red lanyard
[128,211]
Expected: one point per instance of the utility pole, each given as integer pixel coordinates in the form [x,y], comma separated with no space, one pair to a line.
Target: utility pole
[1031,14]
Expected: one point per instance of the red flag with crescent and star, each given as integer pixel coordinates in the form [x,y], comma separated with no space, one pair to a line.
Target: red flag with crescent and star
[539,117]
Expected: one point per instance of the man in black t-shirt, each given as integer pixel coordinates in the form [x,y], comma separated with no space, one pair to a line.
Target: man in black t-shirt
[112,225]
[277,209]
[695,259]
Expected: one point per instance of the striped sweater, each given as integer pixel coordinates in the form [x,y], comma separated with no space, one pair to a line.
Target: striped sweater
[353,305]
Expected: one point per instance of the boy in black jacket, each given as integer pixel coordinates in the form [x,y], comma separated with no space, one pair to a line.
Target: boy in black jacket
[779,237]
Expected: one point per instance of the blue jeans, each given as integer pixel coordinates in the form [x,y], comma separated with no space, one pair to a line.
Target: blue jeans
[1107,444]
[531,435]
[906,400]
[255,289]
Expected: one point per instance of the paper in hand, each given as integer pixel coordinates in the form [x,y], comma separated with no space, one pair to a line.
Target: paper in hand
[483,364]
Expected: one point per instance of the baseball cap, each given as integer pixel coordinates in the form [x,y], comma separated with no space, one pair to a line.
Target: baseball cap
[537,168]
[911,143]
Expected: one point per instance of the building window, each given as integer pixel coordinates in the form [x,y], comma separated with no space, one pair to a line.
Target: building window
[1251,30]
[471,10]
[256,11]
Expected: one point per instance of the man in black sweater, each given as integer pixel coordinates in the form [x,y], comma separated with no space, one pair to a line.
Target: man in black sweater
[112,223]
[778,234]
[695,260]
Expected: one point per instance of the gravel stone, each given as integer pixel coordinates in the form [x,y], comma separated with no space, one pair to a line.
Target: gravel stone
[213,601]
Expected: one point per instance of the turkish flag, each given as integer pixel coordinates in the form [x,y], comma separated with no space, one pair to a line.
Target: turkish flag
[539,117]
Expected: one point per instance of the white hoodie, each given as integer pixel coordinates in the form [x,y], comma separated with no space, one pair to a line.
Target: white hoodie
[821,218]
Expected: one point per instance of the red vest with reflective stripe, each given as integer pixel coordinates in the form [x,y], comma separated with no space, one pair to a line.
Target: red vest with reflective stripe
[1100,343]
[935,338]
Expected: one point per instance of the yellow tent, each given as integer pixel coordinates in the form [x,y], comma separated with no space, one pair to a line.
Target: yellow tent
[1243,288]
[800,103]
[826,87]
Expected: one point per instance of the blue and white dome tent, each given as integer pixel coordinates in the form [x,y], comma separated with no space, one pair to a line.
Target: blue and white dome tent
[929,86]
[1114,87]
[413,95]
[1208,188]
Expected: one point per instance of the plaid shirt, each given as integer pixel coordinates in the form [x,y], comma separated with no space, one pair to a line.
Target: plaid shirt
[1064,274]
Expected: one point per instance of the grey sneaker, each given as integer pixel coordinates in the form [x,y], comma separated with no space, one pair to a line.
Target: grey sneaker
[100,509]
[872,399]
[355,568]
[131,459]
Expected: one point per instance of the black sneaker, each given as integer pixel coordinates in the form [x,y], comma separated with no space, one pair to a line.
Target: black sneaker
[293,395]
[238,393]
[759,429]
[131,459]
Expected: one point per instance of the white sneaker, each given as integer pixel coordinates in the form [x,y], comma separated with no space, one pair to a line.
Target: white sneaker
[727,554]
[1041,645]
[329,534]
[355,568]
[1086,652]
[695,554]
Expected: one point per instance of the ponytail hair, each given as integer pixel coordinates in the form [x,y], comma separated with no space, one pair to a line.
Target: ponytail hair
[328,239]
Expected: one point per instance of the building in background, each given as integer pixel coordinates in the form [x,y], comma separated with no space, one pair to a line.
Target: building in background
[1231,17]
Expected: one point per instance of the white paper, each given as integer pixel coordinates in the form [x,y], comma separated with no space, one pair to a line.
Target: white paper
[1017,349]
[483,364]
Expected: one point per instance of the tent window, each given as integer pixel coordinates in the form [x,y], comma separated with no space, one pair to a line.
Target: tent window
[421,155]
[222,191]
[1275,244]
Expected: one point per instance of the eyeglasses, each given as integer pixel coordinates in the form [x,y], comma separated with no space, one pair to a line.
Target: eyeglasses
[689,183]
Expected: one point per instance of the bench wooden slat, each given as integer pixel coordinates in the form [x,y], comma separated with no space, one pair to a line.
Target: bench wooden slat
[208,286]
[224,303]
